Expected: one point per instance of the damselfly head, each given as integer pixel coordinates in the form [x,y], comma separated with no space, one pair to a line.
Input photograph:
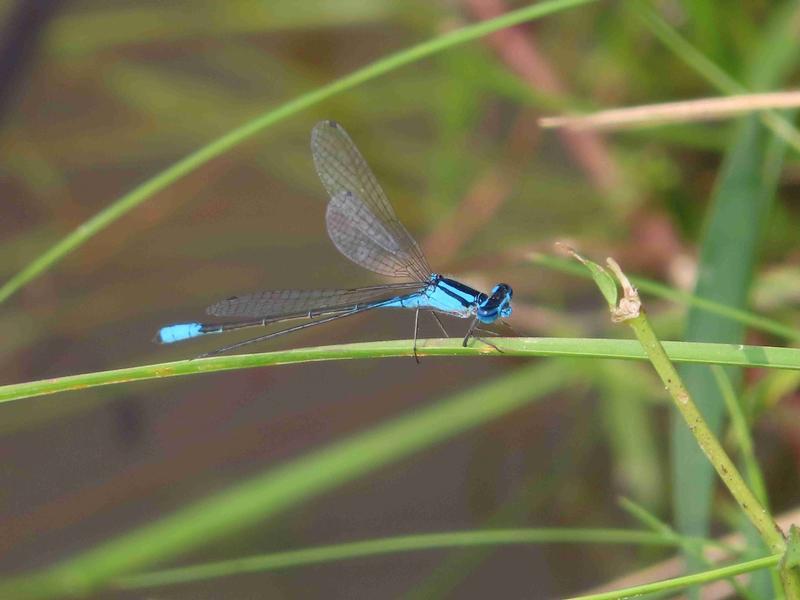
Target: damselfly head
[497,305]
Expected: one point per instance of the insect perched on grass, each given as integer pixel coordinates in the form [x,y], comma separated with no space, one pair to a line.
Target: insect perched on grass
[363,226]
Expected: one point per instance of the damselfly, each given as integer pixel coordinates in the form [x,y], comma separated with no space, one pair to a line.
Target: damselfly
[363,226]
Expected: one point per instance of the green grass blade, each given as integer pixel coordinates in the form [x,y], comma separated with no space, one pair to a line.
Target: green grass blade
[755,479]
[684,50]
[408,543]
[645,517]
[186,165]
[741,429]
[281,488]
[703,353]
[687,581]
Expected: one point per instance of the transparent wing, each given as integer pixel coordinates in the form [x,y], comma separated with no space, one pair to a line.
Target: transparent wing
[283,304]
[361,222]
[366,240]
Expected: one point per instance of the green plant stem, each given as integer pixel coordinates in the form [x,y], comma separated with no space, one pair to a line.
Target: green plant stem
[407,543]
[188,164]
[688,580]
[709,444]
[690,352]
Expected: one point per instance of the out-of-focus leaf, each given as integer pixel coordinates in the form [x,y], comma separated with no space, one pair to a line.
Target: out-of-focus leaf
[631,431]
[604,281]
[97,29]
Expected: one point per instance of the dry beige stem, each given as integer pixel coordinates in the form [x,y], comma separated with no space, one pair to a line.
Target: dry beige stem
[706,109]
[629,306]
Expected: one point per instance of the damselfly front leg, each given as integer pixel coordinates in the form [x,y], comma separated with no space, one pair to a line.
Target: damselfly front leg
[471,333]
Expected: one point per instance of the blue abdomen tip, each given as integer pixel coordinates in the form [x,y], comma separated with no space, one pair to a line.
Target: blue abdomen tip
[179,332]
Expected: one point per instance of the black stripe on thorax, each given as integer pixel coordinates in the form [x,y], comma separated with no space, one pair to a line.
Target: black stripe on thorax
[473,294]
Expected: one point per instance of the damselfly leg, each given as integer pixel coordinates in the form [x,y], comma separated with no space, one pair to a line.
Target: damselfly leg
[280,332]
[416,329]
[439,322]
[473,327]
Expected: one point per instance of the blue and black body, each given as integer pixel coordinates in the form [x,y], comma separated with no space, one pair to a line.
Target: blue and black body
[363,226]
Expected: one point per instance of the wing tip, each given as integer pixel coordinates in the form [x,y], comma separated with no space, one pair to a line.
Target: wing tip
[326,123]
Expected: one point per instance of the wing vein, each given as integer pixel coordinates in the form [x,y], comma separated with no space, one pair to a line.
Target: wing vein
[361,222]
[274,304]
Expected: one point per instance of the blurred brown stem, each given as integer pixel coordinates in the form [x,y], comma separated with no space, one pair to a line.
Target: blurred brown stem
[518,50]
[487,194]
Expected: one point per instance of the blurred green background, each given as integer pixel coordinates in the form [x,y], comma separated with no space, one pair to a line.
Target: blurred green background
[96,97]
